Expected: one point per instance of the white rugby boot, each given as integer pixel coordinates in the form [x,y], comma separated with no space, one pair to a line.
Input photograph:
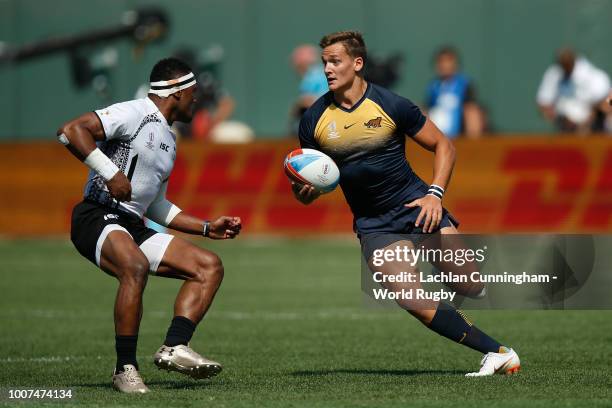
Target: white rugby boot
[129,381]
[506,362]
[186,361]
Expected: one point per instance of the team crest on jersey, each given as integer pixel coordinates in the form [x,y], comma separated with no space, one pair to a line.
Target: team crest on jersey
[150,144]
[373,123]
[333,133]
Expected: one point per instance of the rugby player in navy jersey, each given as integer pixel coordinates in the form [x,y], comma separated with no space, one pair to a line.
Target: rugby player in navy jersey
[363,128]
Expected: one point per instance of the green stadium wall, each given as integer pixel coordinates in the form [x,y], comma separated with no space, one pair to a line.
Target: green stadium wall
[505,46]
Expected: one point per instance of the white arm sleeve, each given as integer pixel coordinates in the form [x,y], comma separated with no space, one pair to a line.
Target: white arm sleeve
[161,210]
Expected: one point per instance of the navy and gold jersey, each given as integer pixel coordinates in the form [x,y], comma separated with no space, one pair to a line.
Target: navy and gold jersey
[367,142]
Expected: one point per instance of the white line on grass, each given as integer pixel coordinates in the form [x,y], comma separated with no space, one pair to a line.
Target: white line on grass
[56,359]
[322,314]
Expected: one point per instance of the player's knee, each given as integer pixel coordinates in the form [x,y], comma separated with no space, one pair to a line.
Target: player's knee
[407,305]
[209,267]
[476,290]
[135,269]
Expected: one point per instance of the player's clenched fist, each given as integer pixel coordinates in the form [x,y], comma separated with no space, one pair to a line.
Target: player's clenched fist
[431,212]
[225,227]
[119,187]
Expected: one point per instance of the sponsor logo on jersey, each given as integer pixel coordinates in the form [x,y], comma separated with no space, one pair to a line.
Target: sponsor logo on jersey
[111,217]
[373,123]
[346,127]
[333,133]
[164,147]
[150,144]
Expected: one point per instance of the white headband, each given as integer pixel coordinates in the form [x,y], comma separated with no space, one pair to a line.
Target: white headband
[167,88]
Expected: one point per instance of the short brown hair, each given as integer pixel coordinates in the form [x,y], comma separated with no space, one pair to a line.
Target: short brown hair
[352,41]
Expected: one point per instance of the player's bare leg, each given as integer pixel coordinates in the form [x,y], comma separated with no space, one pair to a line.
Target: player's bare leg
[452,240]
[423,310]
[501,361]
[445,320]
[122,258]
[202,272]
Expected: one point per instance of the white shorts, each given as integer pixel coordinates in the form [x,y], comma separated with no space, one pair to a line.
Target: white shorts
[153,248]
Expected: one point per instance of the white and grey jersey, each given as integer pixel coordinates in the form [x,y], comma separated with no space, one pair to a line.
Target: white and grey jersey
[140,142]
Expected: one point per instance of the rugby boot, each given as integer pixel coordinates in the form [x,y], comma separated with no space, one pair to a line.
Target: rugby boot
[506,362]
[184,360]
[129,381]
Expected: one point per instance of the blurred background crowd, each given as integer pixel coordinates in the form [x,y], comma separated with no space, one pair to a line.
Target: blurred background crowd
[478,68]
[520,85]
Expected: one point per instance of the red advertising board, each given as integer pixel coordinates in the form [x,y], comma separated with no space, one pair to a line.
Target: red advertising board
[503,184]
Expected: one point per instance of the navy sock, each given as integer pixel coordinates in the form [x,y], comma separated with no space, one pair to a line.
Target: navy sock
[180,331]
[452,324]
[125,346]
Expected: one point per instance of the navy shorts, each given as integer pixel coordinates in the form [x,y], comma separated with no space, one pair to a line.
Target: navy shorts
[395,225]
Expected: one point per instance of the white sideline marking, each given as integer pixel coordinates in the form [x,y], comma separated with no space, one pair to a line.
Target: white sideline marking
[59,359]
[50,359]
[325,314]
[306,315]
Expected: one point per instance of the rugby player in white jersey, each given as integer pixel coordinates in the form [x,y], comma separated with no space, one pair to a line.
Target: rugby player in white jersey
[130,150]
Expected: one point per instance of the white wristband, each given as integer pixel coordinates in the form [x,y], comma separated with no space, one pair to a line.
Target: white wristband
[206,228]
[436,191]
[101,164]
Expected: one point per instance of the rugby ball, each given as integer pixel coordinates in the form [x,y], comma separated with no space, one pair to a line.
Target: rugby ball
[309,166]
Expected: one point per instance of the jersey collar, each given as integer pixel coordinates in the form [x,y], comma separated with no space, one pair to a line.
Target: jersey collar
[356,105]
[155,109]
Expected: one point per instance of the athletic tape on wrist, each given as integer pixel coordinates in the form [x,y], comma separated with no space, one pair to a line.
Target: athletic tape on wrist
[63,139]
[167,88]
[101,164]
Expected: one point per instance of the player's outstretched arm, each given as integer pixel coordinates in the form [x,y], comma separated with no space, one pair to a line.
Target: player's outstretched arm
[79,136]
[304,193]
[432,139]
[223,227]
[167,214]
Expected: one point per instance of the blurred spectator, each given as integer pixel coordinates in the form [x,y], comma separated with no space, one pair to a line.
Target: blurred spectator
[606,108]
[313,83]
[571,93]
[384,71]
[215,105]
[451,98]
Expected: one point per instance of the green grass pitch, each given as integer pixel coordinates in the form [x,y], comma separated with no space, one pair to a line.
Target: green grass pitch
[291,330]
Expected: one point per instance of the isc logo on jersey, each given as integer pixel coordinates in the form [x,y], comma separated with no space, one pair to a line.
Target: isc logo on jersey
[309,166]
